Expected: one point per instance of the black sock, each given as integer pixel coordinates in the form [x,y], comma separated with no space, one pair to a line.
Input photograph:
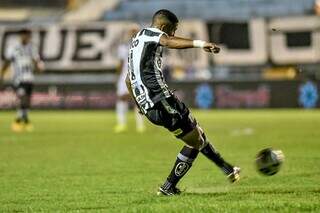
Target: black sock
[183,163]
[212,154]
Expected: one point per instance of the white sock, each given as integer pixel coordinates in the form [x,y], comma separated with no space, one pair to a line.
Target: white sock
[121,110]
[25,114]
[20,113]
[139,119]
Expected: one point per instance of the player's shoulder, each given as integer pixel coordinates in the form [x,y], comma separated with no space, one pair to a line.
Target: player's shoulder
[14,49]
[151,31]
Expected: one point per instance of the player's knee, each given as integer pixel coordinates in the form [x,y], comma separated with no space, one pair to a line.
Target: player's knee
[202,138]
[190,138]
[198,141]
[195,139]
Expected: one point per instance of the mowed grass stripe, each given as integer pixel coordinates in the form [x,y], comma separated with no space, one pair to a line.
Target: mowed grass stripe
[74,162]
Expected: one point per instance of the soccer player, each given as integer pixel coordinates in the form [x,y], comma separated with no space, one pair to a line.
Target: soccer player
[153,97]
[24,60]
[122,90]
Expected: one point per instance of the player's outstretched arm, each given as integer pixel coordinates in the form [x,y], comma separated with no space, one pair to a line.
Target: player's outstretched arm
[174,42]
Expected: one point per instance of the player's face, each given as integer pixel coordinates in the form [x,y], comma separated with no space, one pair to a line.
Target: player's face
[25,38]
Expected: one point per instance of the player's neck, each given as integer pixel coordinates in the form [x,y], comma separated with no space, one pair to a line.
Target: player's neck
[155,26]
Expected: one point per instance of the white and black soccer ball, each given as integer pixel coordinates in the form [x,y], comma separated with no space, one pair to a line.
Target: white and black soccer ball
[269,161]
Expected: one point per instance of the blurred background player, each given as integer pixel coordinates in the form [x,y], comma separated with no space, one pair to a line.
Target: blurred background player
[148,87]
[123,96]
[24,60]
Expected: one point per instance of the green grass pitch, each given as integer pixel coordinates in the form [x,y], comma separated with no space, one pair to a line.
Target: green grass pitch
[74,162]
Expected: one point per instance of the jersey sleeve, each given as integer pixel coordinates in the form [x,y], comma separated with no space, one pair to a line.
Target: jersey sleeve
[154,36]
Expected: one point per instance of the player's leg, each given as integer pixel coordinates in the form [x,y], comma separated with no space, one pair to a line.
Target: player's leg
[173,115]
[121,106]
[121,111]
[186,129]
[182,165]
[26,104]
[17,125]
[139,121]
[196,141]
[208,150]
[19,116]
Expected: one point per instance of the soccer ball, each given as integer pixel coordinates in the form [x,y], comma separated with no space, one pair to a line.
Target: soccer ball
[269,161]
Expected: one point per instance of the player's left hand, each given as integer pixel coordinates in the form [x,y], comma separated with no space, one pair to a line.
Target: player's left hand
[211,47]
[40,66]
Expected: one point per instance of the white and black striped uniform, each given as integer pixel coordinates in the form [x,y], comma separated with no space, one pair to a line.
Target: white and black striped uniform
[21,58]
[145,61]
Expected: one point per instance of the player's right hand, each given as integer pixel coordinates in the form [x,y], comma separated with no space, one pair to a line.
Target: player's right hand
[211,47]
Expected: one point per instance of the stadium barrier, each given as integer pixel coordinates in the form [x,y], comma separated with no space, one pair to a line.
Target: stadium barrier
[93,45]
[205,95]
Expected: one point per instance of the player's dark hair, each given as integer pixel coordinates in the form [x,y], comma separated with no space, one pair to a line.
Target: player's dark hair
[25,31]
[168,15]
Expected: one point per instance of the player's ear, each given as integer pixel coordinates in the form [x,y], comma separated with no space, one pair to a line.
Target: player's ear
[162,27]
[164,40]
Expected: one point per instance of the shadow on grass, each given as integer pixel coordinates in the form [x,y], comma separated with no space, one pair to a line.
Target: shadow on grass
[250,192]
[93,208]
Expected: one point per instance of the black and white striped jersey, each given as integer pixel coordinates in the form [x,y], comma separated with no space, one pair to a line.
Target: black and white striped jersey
[144,62]
[21,58]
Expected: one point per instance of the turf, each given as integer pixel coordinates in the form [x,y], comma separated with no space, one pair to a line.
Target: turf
[74,162]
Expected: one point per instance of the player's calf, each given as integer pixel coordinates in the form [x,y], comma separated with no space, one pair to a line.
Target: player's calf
[208,150]
[25,105]
[183,163]
[24,99]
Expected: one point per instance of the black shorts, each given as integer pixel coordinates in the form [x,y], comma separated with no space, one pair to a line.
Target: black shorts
[24,89]
[172,114]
